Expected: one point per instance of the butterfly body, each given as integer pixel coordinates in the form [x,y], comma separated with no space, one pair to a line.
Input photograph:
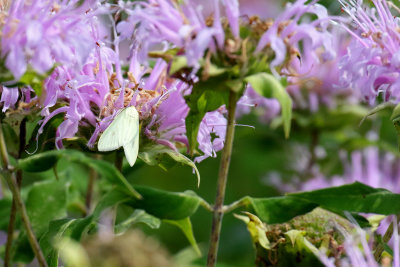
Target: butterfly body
[122,132]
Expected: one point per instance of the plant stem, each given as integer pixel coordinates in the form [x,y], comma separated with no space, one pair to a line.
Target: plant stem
[11,223]
[222,179]
[205,205]
[237,204]
[386,238]
[12,184]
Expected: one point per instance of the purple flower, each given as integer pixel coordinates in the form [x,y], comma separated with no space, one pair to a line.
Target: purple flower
[168,124]
[291,30]
[368,166]
[264,9]
[9,97]
[358,251]
[310,89]
[371,64]
[193,26]
[267,108]
[95,93]
[41,33]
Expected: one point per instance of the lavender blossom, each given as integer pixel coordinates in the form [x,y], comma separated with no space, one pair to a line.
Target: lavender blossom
[9,97]
[266,108]
[371,64]
[41,33]
[186,26]
[358,251]
[196,28]
[310,89]
[96,92]
[368,166]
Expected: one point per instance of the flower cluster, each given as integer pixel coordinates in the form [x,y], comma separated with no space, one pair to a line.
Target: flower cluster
[369,166]
[89,84]
[371,64]
[358,251]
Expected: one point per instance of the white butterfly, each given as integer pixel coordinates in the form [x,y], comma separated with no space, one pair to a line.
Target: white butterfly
[122,132]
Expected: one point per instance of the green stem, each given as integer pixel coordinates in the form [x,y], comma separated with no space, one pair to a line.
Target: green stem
[222,179]
[12,184]
[205,205]
[13,213]
[237,204]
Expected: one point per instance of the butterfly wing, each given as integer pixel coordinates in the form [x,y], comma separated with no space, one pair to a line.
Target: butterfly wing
[122,131]
[132,149]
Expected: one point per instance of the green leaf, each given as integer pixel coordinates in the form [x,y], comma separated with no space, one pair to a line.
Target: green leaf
[108,171]
[155,155]
[45,140]
[354,197]
[166,205]
[75,228]
[40,162]
[256,228]
[47,160]
[380,107]
[268,86]
[186,226]
[138,216]
[279,209]
[206,96]
[46,202]
[55,231]
[395,113]
[156,204]
[396,121]
[5,208]
[110,199]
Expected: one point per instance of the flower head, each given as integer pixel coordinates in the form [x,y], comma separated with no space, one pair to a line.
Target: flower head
[371,64]
[41,33]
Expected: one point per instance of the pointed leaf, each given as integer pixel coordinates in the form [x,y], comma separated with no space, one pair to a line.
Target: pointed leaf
[380,107]
[139,216]
[46,202]
[279,209]
[186,226]
[155,155]
[206,96]
[256,228]
[166,205]
[47,160]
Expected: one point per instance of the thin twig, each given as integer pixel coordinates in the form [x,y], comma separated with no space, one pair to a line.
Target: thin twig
[10,178]
[205,205]
[237,204]
[222,179]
